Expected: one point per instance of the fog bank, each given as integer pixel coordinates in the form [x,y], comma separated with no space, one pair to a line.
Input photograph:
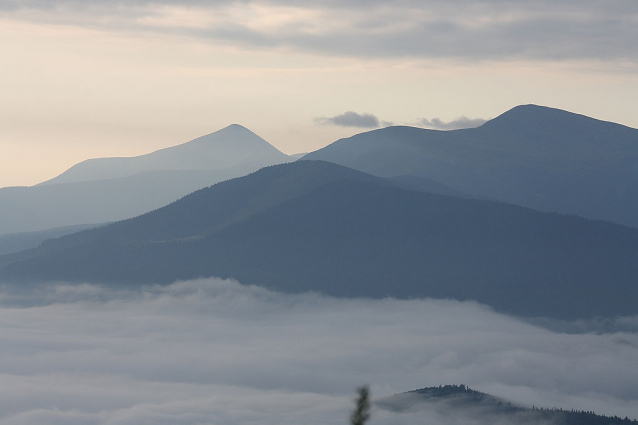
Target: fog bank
[212,351]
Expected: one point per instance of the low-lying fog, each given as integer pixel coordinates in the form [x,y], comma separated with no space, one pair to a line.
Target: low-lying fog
[217,352]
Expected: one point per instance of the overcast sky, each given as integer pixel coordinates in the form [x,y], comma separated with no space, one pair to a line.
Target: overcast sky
[84,79]
[216,352]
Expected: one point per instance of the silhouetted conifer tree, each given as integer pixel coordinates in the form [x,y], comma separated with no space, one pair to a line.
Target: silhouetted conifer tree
[361,412]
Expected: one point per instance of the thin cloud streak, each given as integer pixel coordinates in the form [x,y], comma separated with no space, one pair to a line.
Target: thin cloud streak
[212,351]
[350,119]
[459,123]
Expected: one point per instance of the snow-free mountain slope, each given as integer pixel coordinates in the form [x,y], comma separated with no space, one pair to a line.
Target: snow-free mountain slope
[228,153]
[229,147]
[213,208]
[534,156]
[312,225]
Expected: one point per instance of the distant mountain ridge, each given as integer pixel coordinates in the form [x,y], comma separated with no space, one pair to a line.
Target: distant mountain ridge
[16,242]
[533,156]
[317,226]
[111,189]
[463,402]
[223,149]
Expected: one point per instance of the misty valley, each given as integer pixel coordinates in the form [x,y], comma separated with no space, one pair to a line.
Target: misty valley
[472,276]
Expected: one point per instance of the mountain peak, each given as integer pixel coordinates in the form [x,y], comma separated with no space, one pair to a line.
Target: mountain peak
[232,132]
[531,114]
[232,146]
[532,110]
[236,127]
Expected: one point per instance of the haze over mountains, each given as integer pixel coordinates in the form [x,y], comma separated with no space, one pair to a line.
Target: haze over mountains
[430,229]
[335,277]
[16,242]
[313,225]
[233,146]
[534,156]
[109,189]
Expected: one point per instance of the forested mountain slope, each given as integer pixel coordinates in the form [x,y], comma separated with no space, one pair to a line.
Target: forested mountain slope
[317,226]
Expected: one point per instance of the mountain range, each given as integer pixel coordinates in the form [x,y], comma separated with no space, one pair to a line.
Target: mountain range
[314,225]
[533,156]
[448,218]
[534,213]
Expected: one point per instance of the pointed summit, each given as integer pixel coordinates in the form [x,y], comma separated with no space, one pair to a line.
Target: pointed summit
[234,129]
[108,189]
[230,147]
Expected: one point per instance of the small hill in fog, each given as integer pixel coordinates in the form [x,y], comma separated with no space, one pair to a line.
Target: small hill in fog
[462,404]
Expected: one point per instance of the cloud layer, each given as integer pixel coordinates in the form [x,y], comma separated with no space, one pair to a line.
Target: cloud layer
[469,29]
[213,351]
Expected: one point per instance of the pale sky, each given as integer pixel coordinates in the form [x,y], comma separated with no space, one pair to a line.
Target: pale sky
[82,79]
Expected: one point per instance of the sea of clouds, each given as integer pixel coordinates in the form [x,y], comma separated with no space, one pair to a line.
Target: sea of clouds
[217,352]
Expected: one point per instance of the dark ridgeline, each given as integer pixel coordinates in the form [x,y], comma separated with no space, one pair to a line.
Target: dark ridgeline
[482,407]
[16,242]
[314,225]
[533,156]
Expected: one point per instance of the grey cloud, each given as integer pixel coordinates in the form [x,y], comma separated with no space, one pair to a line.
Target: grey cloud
[466,30]
[213,351]
[350,119]
[461,122]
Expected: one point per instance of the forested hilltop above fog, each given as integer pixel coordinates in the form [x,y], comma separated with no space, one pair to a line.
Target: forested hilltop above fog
[463,402]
